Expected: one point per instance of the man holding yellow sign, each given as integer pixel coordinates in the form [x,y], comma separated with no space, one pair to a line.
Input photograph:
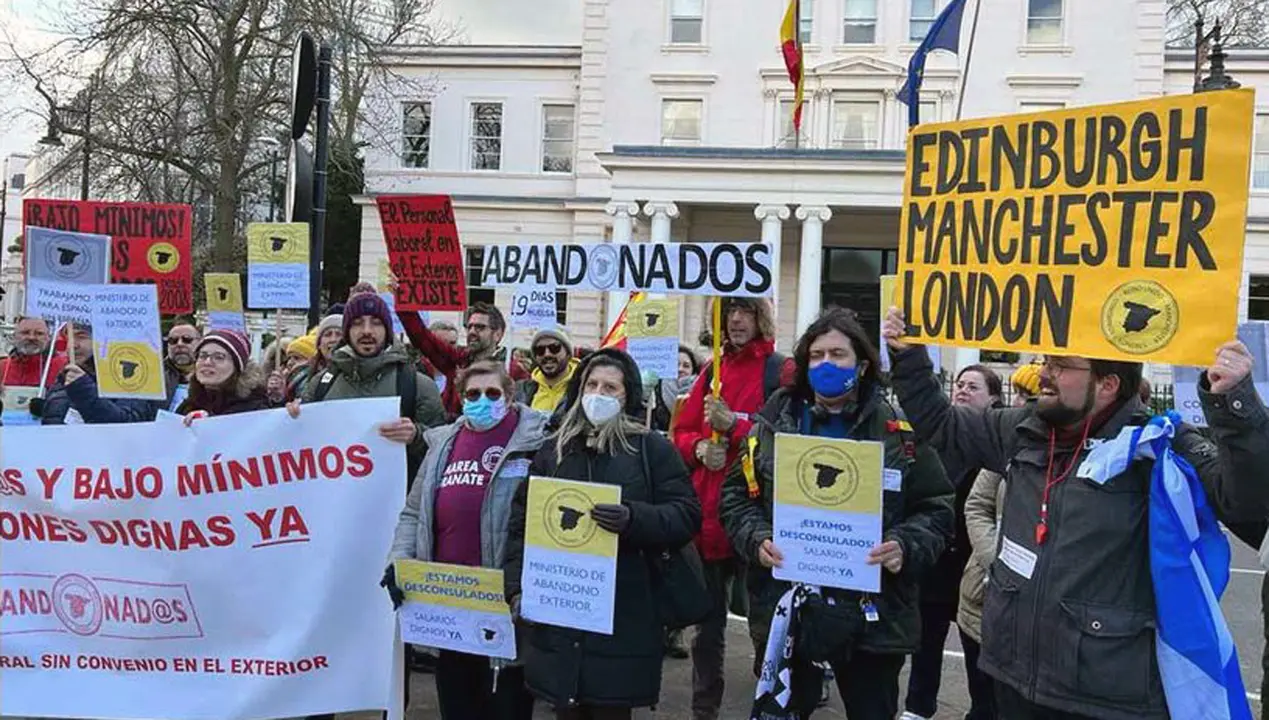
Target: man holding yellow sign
[853,493]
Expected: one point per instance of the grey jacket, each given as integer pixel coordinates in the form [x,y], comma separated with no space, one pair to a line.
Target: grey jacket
[1070,623]
[415,531]
[982,517]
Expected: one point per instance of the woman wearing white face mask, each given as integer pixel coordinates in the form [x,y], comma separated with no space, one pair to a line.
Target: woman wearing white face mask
[458,513]
[584,675]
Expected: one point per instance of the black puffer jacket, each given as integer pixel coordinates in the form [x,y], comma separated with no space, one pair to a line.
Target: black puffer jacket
[919,517]
[572,667]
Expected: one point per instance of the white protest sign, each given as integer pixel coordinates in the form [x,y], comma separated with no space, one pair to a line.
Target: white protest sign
[826,513]
[734,269]
[533,307]
[126,331]
[225,570]
[569,577]
[1185,394]
[455,607]
[60,301]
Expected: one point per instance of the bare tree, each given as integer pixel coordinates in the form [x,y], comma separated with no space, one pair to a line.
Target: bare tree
[181,89]
[1243,22]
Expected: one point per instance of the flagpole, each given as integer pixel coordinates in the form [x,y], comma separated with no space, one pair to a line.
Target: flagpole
[969,57]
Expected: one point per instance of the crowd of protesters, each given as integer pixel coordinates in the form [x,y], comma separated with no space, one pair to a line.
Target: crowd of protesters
[696,469]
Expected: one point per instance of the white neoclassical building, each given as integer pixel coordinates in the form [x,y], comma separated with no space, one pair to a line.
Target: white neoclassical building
[669,121]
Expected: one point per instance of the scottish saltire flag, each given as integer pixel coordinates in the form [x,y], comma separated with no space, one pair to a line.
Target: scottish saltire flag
[773,697]
[1189,564]
[945,34]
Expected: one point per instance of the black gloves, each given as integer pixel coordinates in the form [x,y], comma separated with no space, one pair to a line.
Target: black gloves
[389,582]
[613,518]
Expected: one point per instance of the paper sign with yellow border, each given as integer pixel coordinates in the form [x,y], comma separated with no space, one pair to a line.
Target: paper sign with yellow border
[224,292]
[455,607]
[277,265]
[570,563]
[1110,231]
[827,510]
[646,318]
[131,370]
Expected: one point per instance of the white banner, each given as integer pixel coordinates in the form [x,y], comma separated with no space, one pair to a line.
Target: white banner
[733,269]
[225,570]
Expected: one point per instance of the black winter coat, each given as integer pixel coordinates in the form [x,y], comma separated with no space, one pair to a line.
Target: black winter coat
[569,667]
[919,517]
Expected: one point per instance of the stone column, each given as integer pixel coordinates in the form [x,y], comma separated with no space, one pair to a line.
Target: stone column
[810,263]
[623,213]
[772,218]
[662,213]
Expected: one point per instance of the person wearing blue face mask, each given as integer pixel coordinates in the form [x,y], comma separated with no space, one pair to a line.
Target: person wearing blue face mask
[458,512]
[837,393]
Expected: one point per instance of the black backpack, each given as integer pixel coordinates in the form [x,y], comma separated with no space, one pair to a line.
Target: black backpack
[407,389]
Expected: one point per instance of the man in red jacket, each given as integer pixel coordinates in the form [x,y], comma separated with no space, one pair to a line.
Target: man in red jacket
[23,374]
[485,327]
[751,369]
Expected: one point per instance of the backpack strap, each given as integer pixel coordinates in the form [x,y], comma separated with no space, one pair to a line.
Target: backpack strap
[324,383]
[407,389]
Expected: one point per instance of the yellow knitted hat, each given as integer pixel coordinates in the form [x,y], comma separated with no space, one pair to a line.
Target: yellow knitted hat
[304,346]
[1027,379]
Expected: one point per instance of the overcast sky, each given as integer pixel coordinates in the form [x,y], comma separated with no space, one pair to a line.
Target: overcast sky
[482,22]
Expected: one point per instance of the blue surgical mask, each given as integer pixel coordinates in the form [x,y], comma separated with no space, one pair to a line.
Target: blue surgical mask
[483,413]
[832,381]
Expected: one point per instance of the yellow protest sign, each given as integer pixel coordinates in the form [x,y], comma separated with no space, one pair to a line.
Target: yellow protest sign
[457,586]
[277,243]
[828,474]
[889,287]
[455,607]
[1100,231]
[224,292]
[558,516]
[646,318]
[131,369]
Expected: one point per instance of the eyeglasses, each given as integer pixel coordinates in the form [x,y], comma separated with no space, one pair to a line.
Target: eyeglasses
[216,358]
[181,340]
[548,349]
[1055,367]
[473,394]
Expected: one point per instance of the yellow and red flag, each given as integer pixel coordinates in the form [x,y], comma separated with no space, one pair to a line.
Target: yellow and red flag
[791,47]
[616,336]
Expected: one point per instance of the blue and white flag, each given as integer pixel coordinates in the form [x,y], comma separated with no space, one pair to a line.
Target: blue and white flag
[1189,564]
[944,34]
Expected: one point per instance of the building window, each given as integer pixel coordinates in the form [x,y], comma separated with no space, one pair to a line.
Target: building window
[860,25]
[416,134]
[1044,22]
[1029,106]
[920,17]
[557,138]
[681,122]
[17,182]
[806,10]
[855,124]
[486,136]
[786,138]
[561,308]
[1260,154]
[687,19]
[475,273]
[929,111]
[1258,297]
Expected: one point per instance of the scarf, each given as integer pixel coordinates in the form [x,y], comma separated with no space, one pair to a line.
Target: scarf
[774,697]
[1189,567]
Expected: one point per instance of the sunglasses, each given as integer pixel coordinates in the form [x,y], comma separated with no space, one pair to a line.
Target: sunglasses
[492,393]
[181,340]
[548,349]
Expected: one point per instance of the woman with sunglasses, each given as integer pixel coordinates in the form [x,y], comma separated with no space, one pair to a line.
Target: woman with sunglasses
[458,513]
[586,675]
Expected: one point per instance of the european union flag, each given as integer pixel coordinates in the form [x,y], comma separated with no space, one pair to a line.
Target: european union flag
[945,33]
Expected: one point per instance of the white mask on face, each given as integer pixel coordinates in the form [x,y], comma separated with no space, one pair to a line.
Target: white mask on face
[599,409]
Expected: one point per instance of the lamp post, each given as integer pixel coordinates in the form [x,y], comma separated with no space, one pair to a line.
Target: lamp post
[1217,80]
[274,156]
[53,138]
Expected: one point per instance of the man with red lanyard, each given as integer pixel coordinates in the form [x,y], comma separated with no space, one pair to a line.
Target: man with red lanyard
[750,370]
[28,373]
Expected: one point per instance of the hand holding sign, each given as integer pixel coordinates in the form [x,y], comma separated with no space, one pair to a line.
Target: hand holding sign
[893,329]
[889,555]
[1233,364]
[769,555]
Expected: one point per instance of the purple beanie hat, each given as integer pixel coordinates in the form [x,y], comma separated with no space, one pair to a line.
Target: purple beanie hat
[366,303]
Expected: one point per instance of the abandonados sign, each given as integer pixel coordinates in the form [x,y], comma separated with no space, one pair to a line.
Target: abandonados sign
[735,269]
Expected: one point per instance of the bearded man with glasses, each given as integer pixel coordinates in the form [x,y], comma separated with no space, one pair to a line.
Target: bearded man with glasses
[179,363]
[554,367]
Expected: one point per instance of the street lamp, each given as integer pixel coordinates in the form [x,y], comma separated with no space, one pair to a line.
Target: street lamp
[53,137]
[274,155]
